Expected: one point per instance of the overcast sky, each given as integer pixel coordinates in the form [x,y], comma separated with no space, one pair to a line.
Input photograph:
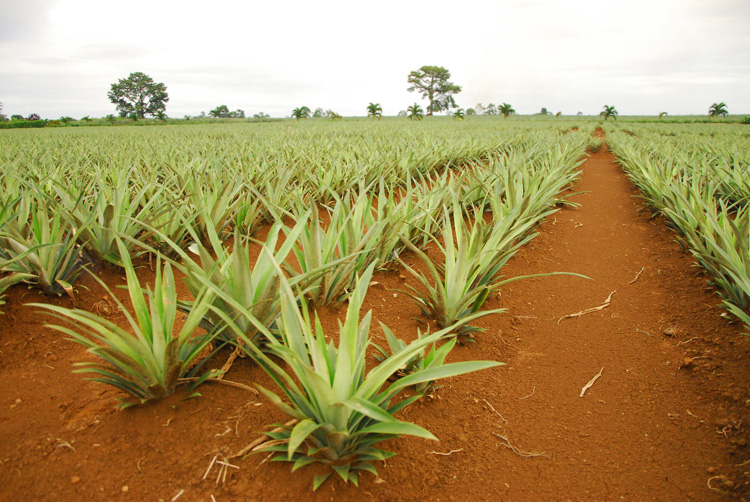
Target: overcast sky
[59,57]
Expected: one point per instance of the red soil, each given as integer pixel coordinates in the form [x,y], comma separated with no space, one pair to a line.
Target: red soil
[666,420]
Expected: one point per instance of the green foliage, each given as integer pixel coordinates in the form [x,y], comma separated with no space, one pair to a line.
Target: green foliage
[340,252]
[432,82]
[40,248]
[415,112]
[138,95]
[718,110]
[465,278]
[238,288]
[505,109]
[609,111]
[459,114]
[103,211]
[427,358]
[222,112]
[149,362]
[342,410]
[302,112]
[23,124]
[374,110]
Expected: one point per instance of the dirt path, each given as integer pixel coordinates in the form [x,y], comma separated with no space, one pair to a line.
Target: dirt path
[666,416]
[647,428]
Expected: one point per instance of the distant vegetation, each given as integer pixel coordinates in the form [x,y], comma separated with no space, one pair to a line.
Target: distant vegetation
[609,111]
[138,95]
[718,110]
[432,82]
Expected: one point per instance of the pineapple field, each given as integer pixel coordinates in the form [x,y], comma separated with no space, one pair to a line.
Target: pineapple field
[480,309]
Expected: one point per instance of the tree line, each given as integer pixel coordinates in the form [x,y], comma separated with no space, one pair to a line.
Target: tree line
[138,96]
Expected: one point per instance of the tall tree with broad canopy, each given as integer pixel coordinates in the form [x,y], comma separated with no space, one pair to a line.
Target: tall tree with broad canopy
[138,95]
[432,82]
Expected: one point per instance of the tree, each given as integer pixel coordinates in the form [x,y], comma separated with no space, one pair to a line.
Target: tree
[3,117]
[220,112]
[459,114]
[544,111]
[138,95]
[33,116]
[471,111]
[609,111]
[374,110]
[490,109]
[319,113]
[479,109]
[432,82]
[237,114]
[557,115]
[333,115]
[414,112]
[17,118]
[302,112]
[261,115]
[718,109]
[662,115]
[506,109]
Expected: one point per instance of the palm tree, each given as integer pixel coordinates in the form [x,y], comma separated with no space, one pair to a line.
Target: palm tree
[302,112]
[662,115]
[718,109]
[506,109]
[374,110]
[415,112]
[609,111]
[459,114]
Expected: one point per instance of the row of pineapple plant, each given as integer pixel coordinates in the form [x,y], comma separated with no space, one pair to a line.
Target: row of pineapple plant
[342,410]
[700,181]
